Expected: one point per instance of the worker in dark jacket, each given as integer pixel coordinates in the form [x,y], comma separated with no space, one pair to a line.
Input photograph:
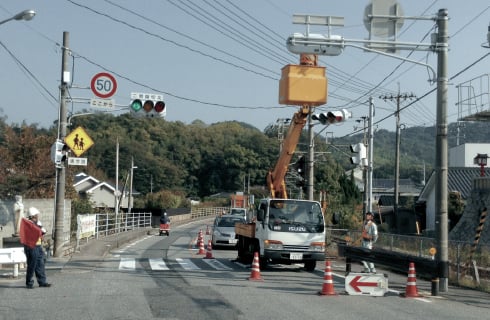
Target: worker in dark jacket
[164,219]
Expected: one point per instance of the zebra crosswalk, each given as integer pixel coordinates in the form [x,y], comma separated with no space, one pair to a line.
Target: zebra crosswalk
[189,264]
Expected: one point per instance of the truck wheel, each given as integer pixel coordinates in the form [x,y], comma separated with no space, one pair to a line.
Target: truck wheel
[310,265]
[263,263]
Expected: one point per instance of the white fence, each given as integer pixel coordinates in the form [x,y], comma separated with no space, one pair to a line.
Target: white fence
[102,225]
[95,226]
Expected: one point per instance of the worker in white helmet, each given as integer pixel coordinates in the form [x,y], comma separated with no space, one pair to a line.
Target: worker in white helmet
[31,236]
[369,237]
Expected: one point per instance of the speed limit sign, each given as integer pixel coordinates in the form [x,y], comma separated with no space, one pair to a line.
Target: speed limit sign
[103,85]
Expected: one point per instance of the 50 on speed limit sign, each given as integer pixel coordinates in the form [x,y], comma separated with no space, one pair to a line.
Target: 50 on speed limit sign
[103,85]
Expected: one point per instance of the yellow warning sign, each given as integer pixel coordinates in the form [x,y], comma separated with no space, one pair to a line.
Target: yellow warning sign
[79,141]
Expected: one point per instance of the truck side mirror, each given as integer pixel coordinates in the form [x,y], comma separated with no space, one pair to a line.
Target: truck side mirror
[260,215]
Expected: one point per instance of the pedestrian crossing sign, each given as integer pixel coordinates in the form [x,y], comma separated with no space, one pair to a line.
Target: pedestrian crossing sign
[79,141]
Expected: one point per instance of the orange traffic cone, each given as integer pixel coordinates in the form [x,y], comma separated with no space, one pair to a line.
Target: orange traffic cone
[200,243]
[199,238]
[327,288]
[255,275]
[209,252]
[411,289]
[207,230]
[201,247]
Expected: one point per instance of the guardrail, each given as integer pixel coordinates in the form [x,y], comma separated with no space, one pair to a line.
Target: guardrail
[109,224]
[13,256]
[467,264]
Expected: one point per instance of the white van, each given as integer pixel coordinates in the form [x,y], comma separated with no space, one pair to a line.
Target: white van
[242,212]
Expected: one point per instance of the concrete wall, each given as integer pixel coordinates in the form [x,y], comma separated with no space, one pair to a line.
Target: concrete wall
[46,206]
[463,155]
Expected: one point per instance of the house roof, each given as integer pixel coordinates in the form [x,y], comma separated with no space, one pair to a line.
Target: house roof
[406,186]
[82,177]
[459,179]
[100,185]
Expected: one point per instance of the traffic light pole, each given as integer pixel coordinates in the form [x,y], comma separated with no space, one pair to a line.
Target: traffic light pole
[299,43]
[60,171]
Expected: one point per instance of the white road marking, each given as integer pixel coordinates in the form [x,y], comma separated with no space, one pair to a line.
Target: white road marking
[158,264]
[187,264]
[127,264]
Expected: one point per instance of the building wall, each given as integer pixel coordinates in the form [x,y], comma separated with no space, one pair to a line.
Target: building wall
[47,209]
[103,197]
[463,155]
[430,211]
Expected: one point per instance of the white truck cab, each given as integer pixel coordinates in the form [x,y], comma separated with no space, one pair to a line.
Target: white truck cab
[286,231]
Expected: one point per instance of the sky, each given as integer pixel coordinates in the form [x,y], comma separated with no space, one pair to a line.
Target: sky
[221,60]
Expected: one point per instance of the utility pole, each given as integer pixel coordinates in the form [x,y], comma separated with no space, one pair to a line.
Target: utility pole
[364,172]
[311,156]
[60,171]
[116,192]
[370,155]
[130,199]
[398,99]
[441,150]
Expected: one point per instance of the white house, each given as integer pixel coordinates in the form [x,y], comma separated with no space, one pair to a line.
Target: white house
[102,194]
[461,172]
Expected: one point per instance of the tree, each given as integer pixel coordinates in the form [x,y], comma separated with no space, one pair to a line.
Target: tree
[25,164]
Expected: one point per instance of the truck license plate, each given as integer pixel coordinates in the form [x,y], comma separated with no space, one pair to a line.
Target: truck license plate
[296,256]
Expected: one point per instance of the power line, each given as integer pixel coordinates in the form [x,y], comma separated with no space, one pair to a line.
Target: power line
[426,94]
[171,41]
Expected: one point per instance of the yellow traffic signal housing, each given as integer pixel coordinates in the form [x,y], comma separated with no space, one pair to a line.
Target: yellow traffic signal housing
[300,85]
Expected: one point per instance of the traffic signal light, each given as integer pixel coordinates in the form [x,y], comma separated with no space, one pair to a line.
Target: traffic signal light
[338,116]
[58,153]
[360,156]
[147,105]
[332,116]
[300,167]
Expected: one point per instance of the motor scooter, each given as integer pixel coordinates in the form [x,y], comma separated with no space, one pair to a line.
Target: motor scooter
[165,228]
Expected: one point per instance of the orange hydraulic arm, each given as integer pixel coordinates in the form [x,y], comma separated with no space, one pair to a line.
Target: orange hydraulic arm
[275,178]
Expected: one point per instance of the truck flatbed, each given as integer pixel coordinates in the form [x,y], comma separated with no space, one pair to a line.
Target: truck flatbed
[245,229]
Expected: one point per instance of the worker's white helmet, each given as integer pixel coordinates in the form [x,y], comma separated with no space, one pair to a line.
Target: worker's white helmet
[33,212]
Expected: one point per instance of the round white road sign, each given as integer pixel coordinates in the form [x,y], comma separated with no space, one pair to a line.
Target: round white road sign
[103,85]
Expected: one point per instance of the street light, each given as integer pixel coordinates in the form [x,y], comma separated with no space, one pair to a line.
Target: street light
[481,160]
[24,15]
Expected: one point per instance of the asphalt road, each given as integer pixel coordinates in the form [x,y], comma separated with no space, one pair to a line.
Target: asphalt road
[146,276]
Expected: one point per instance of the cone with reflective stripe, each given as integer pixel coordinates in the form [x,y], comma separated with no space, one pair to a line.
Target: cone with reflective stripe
[201,244]
[411,289]
[327,288]
[209,252]
[199,238]
[255,275]
[207,230]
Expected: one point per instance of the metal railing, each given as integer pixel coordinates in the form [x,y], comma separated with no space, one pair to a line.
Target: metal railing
[467,263]
[109,224]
